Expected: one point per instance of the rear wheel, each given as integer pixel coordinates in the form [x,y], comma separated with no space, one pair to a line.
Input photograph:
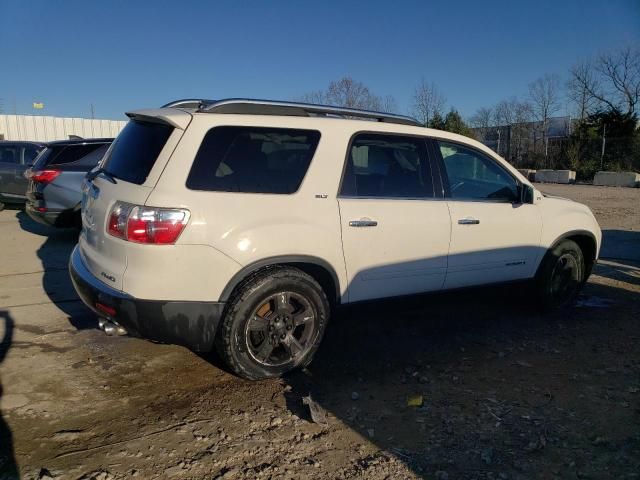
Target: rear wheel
[561,275]
[273,323]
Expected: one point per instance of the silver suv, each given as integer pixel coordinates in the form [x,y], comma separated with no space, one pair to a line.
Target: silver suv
[241,224]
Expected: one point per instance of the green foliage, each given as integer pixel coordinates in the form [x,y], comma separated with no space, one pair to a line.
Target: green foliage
[452,122]
[622,144]
[436,122]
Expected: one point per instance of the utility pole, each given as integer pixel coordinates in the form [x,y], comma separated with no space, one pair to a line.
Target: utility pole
[498,149]
[604,141]
[93,113]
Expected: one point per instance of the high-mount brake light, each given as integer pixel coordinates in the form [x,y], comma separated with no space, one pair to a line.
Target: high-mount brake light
[44,176]
[151,225]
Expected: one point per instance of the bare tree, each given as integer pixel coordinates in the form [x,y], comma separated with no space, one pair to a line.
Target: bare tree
[520,128]
[545,101]
[483,118]
[349,93]
[612,81]
[580,88]
[505,112]
[388,104]
[622,72]
[427,101]
[317,97]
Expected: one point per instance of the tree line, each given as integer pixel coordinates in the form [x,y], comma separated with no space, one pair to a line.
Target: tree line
[600,101]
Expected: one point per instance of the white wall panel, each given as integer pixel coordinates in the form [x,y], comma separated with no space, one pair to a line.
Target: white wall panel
[45,128]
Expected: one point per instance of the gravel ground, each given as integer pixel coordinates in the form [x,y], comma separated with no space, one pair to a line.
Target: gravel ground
[498,390]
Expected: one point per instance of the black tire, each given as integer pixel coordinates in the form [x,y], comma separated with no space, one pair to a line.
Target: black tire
[268,311]
[561,275]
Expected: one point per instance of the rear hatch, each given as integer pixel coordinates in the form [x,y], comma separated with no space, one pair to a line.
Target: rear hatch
[128,173]
[58,158]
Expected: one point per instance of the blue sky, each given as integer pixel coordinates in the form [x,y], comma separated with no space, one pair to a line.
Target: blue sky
[123,55]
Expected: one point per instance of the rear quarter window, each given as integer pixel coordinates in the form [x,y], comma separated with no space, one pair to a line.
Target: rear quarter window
[253,160]
[63,154]
[135,150]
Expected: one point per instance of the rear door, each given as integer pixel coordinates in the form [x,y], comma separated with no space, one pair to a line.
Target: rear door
[12,183]
[395,229]
[494,237]
[28,153]
[9,155]
[127,165]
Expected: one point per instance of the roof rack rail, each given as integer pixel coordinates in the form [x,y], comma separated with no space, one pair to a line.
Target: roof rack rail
[196,103]
[272,107]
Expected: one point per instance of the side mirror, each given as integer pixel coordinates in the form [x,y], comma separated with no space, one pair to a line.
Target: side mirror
[526,193]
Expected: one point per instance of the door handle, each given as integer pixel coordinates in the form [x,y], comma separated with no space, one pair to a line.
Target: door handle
[468,221]
[363,222]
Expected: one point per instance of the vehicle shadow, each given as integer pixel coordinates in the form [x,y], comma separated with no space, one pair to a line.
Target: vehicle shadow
[469,383]
[54,255]
[8,465]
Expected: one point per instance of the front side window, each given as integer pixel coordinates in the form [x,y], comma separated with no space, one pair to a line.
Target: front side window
[9,154]
[390,166]
[253,160]
[474,176]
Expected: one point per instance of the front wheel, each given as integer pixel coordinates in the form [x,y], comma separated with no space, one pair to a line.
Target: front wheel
[561,275]
[273,324]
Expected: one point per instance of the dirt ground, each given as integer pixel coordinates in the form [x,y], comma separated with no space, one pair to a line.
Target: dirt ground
[507,393]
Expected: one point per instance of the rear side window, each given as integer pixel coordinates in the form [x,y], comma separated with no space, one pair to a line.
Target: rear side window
[387,166]
[253,160]
[92,159]
[135,150]
[62,154]
[30,153]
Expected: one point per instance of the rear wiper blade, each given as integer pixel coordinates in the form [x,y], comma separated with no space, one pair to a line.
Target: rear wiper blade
[93,174]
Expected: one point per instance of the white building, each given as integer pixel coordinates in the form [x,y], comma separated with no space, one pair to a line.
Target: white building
[45,128]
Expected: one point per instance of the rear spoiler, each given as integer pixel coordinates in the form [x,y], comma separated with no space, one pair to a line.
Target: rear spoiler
[173,117]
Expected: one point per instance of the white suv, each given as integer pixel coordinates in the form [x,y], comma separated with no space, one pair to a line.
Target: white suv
[241,224]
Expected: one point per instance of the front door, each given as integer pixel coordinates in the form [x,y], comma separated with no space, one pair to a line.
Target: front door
[395,232]
[494,237]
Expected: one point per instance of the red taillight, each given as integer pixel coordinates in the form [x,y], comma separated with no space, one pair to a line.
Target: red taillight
[44,176]
[146,224]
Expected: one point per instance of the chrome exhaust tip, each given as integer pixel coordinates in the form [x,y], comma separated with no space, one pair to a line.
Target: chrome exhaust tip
[111,328]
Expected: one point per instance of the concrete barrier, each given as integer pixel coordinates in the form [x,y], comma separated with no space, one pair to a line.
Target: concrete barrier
[528,174]
[617,179]
[555,176]
[546,176]
[566,176]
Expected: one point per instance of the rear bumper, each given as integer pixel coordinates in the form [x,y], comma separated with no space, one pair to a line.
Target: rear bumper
[192,324]
[49,217]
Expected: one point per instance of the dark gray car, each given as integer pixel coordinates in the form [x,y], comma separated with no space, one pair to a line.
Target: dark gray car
[54,192]
[15,158]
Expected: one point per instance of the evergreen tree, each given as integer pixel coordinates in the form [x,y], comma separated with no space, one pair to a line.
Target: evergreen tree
[454,123]
[436,122]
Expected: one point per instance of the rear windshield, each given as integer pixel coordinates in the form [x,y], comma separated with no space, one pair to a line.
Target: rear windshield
[65,154]
[135,150]
[253,160]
